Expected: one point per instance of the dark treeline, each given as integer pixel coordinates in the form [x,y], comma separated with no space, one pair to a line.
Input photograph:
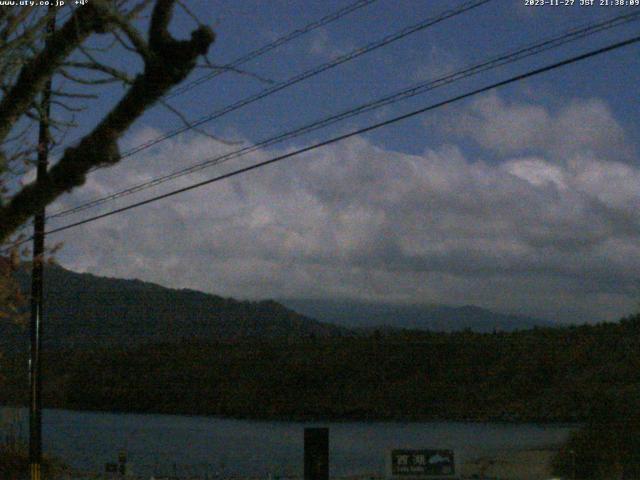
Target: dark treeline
[540,375]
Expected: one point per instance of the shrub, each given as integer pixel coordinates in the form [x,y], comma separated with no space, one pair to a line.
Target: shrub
[14,463]
[608,446]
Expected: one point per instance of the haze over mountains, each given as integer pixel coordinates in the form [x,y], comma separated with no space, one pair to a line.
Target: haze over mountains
[439,318]
[84,310]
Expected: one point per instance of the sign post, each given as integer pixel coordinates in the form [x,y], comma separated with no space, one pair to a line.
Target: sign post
[316,454]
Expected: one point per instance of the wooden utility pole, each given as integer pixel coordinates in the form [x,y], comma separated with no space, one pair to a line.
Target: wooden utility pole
[35,373]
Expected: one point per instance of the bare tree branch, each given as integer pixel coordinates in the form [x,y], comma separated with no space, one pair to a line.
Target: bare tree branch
[239,71]
[101,67]
[60,93]
[123,43]
[66,107]
[85,81]
[85,20]
[167,62]
[187,123]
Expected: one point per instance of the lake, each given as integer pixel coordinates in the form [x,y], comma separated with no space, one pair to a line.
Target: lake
[193,445]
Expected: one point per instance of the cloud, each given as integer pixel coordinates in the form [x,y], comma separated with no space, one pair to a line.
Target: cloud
[435,63]
[508,128]
[552,232]
[323,46]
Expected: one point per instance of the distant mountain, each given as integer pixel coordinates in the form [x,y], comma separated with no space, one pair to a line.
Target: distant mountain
[437,318]
[86,310]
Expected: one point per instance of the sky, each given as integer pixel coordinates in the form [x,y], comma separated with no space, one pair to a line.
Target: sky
[523,199]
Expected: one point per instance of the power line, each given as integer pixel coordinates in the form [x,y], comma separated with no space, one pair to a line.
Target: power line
[312,72]
[494,62]
[273,45]
[360,131]
[332,17]
[464,7]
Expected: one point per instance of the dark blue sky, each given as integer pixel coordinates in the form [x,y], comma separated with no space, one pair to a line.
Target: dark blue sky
[489,30]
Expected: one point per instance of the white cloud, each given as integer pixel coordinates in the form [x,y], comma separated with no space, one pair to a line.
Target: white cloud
[435,63]
[509,128]
[537,172]
[554,234]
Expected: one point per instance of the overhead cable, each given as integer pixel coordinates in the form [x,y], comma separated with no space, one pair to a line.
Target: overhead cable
[360,131]
[492,63]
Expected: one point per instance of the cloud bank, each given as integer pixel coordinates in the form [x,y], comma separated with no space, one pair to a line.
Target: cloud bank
[541,218]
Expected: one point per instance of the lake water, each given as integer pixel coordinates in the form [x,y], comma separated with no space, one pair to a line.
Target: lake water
[192,445]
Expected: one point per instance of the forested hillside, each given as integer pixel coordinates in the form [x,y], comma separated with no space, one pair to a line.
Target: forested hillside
[87,311]
[548,375]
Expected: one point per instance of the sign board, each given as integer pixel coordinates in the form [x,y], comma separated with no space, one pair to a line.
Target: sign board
[422,464]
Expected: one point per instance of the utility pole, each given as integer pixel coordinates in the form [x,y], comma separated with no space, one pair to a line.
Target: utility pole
[35,373]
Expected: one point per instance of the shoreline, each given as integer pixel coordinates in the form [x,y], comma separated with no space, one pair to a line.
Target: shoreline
[303,419]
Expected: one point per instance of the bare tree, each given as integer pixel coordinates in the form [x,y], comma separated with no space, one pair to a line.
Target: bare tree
[75,53]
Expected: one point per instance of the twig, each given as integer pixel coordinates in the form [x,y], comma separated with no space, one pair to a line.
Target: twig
[179,114]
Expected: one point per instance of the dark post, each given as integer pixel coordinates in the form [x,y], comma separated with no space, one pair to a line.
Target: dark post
[35,374]
[316,454]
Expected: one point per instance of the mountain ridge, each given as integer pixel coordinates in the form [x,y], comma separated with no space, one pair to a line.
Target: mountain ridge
[430,317]
[87,310]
